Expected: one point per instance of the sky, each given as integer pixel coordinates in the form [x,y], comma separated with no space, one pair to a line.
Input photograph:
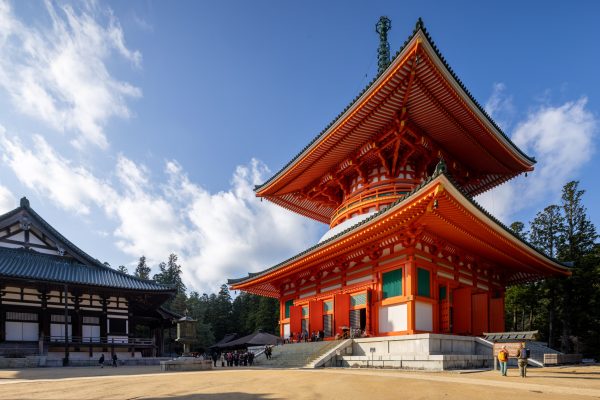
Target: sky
[141,127]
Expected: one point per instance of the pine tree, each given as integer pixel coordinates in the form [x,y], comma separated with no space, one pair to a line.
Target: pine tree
[123,269]
[578,232]
[174,272]
[142,270]
[519,229]
[577,241]
[546,229]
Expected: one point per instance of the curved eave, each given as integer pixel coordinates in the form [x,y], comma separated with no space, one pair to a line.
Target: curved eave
[412,201]
[497,230]
[404,209]
[334,143]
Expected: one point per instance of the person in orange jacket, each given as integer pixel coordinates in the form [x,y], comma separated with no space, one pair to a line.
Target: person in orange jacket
[503,360]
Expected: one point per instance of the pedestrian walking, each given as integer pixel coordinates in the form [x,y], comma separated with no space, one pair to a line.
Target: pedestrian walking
[522,356]
[114,360]
[503,360]
[101,361]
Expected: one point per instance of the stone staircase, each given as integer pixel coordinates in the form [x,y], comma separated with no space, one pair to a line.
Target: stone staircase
[295,355]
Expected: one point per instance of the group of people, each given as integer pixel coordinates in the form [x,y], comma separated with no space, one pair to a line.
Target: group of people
[114,360]
[304,336]
[235,358]
[522,357]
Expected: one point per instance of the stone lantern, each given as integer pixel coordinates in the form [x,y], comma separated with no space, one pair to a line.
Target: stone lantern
[186,333]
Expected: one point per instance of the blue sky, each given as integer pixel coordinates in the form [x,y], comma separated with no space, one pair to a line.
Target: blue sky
[140,127]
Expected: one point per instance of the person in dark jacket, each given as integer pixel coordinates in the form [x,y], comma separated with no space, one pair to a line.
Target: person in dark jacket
[215,357]
[101,361]
[522,356]
[114,359]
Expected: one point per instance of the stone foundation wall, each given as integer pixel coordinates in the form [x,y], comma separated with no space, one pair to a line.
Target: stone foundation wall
[422,351]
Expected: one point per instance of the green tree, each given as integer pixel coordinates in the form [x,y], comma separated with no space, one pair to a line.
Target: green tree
[519,229]
[123,269]
[142,270]
[170,274]
[577,242]
[546,230]
[578,234]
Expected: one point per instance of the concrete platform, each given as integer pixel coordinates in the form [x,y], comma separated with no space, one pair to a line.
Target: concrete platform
[186,364]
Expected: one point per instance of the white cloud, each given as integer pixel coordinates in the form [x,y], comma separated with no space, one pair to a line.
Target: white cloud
[44,171]
[7,200]
[58,74]
[500,106]
[216,235]
[562,140]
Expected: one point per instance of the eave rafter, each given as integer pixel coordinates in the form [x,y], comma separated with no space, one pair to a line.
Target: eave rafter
[443,110]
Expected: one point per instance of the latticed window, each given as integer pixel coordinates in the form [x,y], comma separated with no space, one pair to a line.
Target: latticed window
[392,283]
[327,325]
[305,311]
[21,316]
[355,319]
[327,306]
[59,318]
[91,321]
[288,304]
[423,282]
[358,299]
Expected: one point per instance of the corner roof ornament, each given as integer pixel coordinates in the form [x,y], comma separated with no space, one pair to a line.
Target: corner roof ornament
[383,53]
[440,168]
[24,202]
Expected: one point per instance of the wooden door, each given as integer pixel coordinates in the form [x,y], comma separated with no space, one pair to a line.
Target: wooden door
[341,312]
[461,311]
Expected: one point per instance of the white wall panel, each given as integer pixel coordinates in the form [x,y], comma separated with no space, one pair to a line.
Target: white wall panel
[393,318]
[423,316]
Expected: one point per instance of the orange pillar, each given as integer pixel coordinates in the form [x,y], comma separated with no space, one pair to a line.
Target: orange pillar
[341,311]
[411,291]
[295,320]
[315,312]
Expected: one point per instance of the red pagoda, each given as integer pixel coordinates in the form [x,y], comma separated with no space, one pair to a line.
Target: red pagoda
[394,175]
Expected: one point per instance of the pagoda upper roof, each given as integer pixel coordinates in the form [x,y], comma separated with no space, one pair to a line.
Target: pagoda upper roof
[456,218]
[438,105]
[74,266]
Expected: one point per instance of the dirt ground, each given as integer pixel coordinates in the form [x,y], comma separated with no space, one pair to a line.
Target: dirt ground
[256,384]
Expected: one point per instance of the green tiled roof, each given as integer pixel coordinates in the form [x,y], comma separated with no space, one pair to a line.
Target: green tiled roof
[29,264]
[83,269]
[420,26]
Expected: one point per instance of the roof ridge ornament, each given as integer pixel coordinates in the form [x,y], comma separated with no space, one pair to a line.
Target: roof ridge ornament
[420,24]
[383,52]
[24,202]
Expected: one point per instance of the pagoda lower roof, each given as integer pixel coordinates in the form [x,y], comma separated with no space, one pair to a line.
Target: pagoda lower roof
[23,264]
[443,211]
[439,108]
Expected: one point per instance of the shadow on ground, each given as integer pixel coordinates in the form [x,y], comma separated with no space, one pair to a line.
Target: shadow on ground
[218,396]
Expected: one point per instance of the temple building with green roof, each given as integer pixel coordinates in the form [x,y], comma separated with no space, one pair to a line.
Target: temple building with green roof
[58,301]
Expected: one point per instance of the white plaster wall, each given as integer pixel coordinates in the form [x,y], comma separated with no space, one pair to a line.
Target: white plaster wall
[423,316]
[393,318]
[286,331]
